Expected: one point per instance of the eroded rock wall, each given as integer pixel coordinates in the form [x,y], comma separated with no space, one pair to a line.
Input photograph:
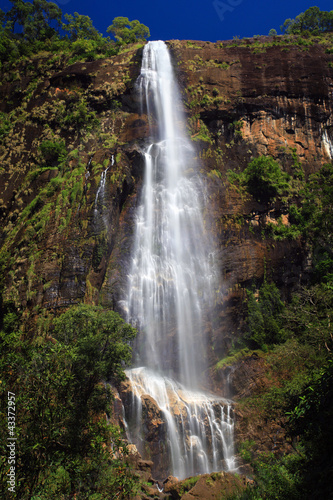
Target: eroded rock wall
[57,230]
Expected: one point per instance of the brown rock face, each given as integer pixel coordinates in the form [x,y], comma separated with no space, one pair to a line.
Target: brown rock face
[61,235]
[150,432]
[281,92]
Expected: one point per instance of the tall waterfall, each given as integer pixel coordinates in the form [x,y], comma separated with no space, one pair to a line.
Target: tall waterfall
[171,286]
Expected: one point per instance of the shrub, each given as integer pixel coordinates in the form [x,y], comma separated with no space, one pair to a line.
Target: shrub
[79,116]
[264,316]
[5,124]
[53,151]
[265,180]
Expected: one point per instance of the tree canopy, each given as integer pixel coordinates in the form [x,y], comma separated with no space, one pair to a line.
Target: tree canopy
[61,404]
[29,27]
[313,20]
[80,27]
[126,31]
[265,179]
[35,18]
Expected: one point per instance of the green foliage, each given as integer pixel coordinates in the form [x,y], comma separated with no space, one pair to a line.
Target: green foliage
[265,180]
[264,316]
[53,151]
[80,27]
[188,484]
[313,20]
[5,123]
[299,369]
[308,316]
[245,450]
[203,134]
[79,116]
[319,205]
[99,339]
[314,409]
[313,218]
[35,19]
[304,474]
[224,65]
[277,479]
[30,27]
[61,402]
[232,358]
[126,31]
[282,231]
[236,127]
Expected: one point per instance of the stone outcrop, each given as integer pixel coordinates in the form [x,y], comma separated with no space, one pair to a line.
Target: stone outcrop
[208,486]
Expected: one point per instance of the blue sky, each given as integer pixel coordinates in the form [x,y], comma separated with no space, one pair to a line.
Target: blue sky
[193,19]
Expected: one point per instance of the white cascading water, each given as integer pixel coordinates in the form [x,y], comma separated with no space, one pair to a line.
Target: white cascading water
[171,284]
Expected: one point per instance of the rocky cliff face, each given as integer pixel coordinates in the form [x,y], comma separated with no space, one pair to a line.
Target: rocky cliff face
[67,208]
[243,98]
[58,228]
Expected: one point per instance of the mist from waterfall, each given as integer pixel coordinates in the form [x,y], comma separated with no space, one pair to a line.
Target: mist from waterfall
[171,286]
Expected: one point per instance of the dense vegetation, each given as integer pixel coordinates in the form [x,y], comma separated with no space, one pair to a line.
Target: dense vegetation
[294,337]
[66,445]
[30,27]
[313,20]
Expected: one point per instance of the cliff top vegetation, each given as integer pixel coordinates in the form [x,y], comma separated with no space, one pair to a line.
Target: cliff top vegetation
[31,27]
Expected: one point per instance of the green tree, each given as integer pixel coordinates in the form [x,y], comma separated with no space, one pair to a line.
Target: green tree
[126,31]
[315,219]
[39,24]
[61,404]
[80,27]
[18,14]
[35,18]
[99,338]
[313,20]
[264,316]
[53,151]
[265,180]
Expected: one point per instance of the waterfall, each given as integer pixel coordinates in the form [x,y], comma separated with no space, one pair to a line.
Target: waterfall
[100,216]
[171,288]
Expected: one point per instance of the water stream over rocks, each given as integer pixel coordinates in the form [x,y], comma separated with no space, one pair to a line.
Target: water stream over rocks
[170,288]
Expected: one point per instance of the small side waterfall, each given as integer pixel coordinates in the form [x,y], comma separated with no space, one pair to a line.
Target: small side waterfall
[100,216]
[171,288]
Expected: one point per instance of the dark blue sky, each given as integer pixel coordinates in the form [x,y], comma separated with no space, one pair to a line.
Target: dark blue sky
[193,19]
